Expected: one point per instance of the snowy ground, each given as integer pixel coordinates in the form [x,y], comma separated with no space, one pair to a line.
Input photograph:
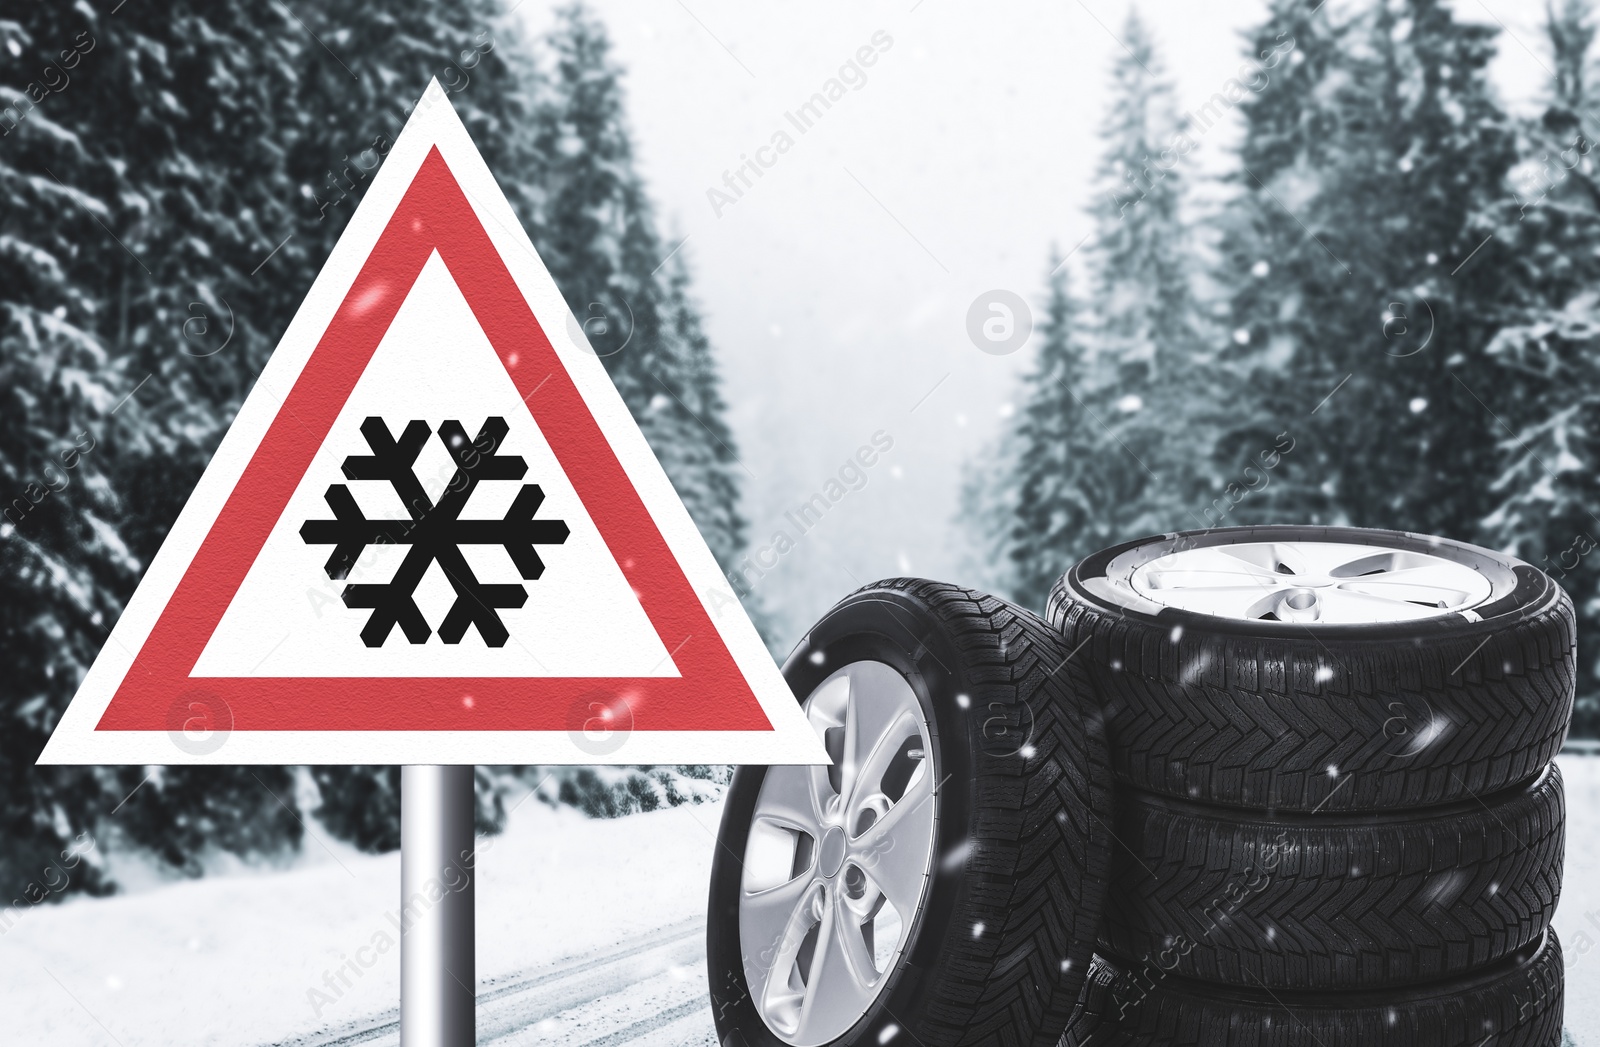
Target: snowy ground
[577,909]
[1578,917]
[589,932]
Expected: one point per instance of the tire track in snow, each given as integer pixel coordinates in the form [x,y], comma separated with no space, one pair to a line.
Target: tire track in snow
[649,990]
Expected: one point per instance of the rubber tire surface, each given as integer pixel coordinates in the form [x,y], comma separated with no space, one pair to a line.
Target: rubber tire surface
[1000,948]
[1340,902]
[1515,1003]
[1297,716]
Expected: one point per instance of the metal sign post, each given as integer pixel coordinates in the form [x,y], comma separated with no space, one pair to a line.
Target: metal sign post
[438,979]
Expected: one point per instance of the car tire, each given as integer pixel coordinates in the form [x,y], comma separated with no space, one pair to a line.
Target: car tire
[1334,902]
[995,945]
[1515,1003]
[1259,703]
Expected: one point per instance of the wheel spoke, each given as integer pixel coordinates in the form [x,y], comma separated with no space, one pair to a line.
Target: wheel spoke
[1427,595]
[772,924]
[1427,583]
[795,797]
[835,986]
[877,760]
[1438,576]
[1317,558]
[1221,558]
[1266,557]
[849,763]
[1205,579]
[1347,605]
[873,714]
[850,945]
[894,852]
[1236,601]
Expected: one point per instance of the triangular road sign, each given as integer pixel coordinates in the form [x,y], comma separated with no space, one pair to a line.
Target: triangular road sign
[433,534]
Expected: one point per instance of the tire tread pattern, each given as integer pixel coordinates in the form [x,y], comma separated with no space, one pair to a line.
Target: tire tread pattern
[1343,903]
[1517,1004]
[1306,721]
[1041,824]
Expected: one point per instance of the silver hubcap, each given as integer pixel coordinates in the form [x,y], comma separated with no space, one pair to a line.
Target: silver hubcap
[1329,582]
[838,858]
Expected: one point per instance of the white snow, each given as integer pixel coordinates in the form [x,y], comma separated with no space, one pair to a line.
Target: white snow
[232,960]
[1577,919]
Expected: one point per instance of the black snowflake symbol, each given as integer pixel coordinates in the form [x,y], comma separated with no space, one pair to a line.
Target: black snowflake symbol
[435,532]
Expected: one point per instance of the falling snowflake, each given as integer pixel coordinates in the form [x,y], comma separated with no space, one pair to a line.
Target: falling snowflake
[435,532]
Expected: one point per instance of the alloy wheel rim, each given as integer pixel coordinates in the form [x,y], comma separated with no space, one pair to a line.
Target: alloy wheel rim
[1333,583]
[838,858]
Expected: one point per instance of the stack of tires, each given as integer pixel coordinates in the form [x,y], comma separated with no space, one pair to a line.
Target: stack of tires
[1337,819]
[1268,787]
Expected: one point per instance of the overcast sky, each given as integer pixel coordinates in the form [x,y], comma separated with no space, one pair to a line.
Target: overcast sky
[837,285]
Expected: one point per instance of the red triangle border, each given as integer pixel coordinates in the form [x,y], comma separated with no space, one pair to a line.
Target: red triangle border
[710,694]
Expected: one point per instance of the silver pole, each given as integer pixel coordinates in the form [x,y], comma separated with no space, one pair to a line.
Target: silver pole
[438,982]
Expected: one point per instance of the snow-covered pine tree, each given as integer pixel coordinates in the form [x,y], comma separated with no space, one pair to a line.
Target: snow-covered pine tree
[1118,420]
[612,792]
[142,178]
[356,95]
[712,488]
[986,511]
[1149,382]
[1548,484]
[602,246]
[630,292]
[1280,278]
[1291,55]
[1432,423]
[600,240]
[1570,31]
[1386,284]
[54,359]
[1055,480]
[1119,413]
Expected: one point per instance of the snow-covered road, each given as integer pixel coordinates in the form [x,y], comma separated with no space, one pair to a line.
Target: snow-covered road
[585,928]
[649,991]
[589,933]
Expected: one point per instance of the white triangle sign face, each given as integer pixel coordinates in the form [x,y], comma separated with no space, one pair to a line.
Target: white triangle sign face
[434,534]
